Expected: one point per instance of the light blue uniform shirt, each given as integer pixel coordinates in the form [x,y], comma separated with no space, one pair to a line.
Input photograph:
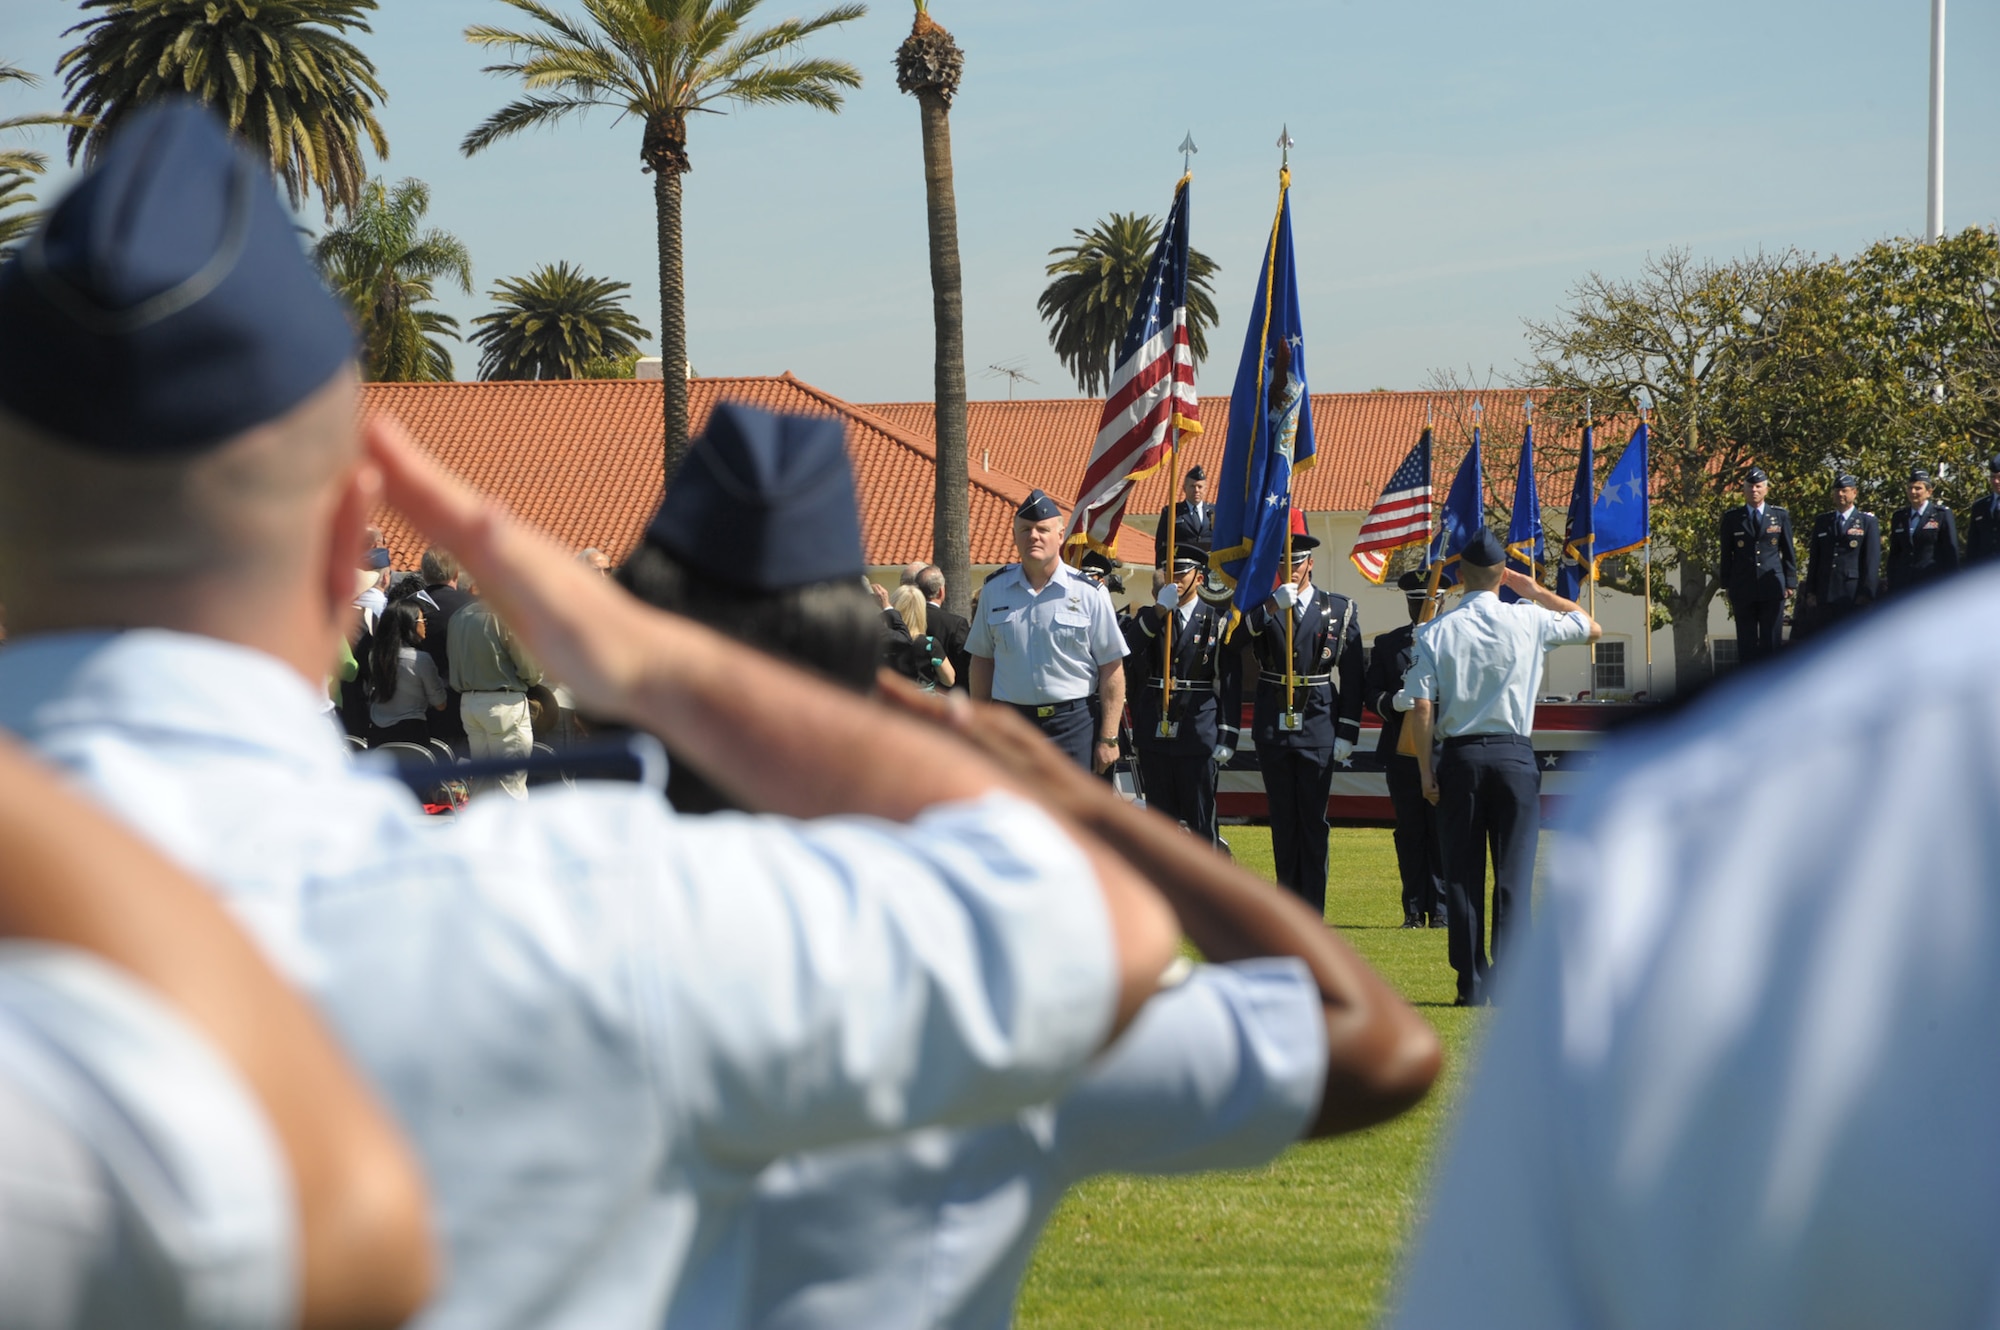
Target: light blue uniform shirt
[935,1229]
[140,1186]
[1480,663]
[597,1021]
[1743,1073]
[1046,646]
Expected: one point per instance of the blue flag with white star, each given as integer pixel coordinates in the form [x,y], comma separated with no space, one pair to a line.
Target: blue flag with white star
[1623,514]
[1270,427]
[1524,525]
[1578,540]
[1464,514]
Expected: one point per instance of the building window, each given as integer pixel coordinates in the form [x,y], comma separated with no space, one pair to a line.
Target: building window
[1609,672]
[1722,652]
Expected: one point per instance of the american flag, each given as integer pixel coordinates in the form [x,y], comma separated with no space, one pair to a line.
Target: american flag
[1402,516]
[1152,392]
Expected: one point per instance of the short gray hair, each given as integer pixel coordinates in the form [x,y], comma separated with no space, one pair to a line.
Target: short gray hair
[931,582]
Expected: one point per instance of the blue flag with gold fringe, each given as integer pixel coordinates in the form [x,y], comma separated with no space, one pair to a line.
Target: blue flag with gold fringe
[1623,514]
[1578,540]
[1464,514]
[1270,427]
[1524,525]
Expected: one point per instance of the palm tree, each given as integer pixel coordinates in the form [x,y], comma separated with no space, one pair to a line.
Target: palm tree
[659,62]
[279,70]
[929,66]
[1096,288]
[384,264]
[19,166]
[553,323]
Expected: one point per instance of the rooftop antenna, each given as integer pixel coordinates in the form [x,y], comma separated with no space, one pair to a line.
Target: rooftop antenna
[1013,373]
[1187,151]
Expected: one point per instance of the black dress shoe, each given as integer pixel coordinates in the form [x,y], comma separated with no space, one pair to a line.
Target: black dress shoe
[1413,923]
[1439,923]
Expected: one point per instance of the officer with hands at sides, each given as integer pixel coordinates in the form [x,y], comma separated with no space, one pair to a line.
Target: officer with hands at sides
[1982,530]
[1418,858]
[1045,639]
[1194,520]
[1923,538]
[1759,568]
[1181,744]
[1844,565]
[1472,687]
[1304,730]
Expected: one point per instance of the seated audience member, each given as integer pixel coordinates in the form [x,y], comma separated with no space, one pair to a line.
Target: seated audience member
[596,1021]
[403,682]
[181,1146]
[1294,1037]
[1743,1075]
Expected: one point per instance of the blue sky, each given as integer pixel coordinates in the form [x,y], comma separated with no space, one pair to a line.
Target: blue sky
[1458,166]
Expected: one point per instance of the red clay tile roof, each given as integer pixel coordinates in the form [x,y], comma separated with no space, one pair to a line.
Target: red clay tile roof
[1360,438]
[581,459]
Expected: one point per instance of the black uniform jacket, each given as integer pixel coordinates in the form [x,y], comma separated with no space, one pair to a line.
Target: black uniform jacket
[1389,662]
[1192,530]
[1982,530]
[1846,559]
[1208,681]
[1326,641]
[1929,551]
[1758,561]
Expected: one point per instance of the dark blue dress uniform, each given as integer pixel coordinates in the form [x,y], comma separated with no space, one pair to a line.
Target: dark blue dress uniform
[1759,565]
[1193,524]
[1923,542]
[1982,529]
[1177,769]
[1297,763]
[1843,566]
[1419,857]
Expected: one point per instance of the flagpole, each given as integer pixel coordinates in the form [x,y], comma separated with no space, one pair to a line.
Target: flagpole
[1291,477]
[1591,551]
[1172,516]
[1647,498]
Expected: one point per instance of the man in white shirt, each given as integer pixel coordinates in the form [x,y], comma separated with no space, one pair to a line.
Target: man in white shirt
[1478,668]
[596,1021]
[1744,1076]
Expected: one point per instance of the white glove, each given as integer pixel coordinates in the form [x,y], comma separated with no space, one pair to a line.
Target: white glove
[1222,753]
[1169,598]
[1286,596]
[1403,701]
[1342,750]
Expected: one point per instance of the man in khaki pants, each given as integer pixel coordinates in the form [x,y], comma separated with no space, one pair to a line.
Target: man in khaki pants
[492,675]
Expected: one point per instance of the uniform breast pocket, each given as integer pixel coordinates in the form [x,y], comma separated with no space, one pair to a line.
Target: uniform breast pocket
[1071,631]
[1010,631]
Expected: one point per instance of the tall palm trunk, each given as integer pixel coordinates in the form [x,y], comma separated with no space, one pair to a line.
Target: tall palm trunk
[951,539]
[673,317]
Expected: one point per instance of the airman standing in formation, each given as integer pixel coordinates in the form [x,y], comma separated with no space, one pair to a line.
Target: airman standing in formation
[1193,520]
[1982,531]
[1923,538]
[1180,746]
[1308,713]
[1846,552]
[1759,568]
[1419,859]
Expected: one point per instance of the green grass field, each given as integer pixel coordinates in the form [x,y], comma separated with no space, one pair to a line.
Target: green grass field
[1310,1241]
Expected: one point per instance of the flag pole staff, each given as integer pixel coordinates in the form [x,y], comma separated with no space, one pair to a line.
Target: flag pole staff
[1270,294]
[1591,550]
[1647,480]
[1172,517]
[1528,410]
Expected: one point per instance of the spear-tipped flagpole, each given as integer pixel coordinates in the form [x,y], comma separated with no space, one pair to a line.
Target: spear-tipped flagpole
[1164,729]
[1285,146]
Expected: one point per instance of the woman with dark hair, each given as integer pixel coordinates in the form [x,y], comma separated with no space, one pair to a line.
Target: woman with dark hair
[402,681]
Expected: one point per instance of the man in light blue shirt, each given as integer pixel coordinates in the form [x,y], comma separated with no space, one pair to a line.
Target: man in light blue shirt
[1472,687]
[1045,641]
[595,1020]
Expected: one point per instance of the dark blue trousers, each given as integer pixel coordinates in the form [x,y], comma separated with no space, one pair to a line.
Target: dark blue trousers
[1419,857]
[1296,783]
[1489,790]
[1759,624]
[1181,785]
[1068,725]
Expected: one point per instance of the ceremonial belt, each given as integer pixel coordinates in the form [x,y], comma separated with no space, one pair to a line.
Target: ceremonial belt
[1046,710]
[1268,677]
[1181,685]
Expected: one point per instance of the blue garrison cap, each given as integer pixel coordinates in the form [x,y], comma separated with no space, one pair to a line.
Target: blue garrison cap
[165,306]
[764,502]
[1037,507]
[1484,550]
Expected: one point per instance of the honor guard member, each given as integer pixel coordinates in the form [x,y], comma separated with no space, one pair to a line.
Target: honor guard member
[1180,746]
[1194,520]
[596,1020]
[1923,538]
[1472,690]
[1845,560]
[1982,531]
[1419,859]
[1045,641]
[1759,568]
[1301,738]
